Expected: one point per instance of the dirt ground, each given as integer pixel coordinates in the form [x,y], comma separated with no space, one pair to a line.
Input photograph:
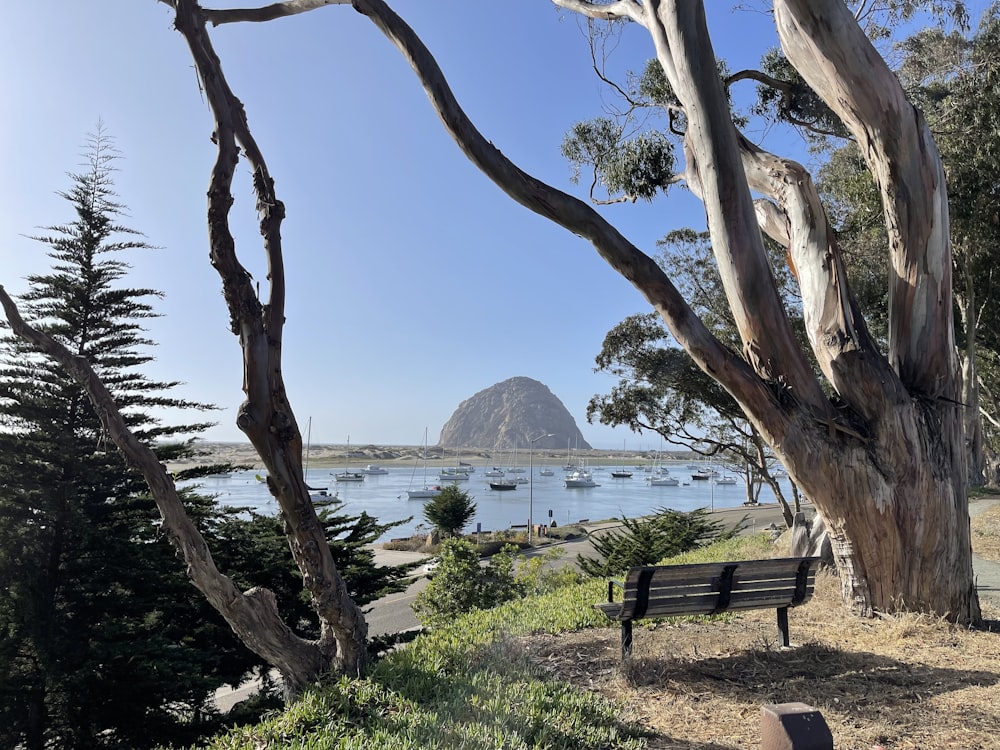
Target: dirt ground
[904,682]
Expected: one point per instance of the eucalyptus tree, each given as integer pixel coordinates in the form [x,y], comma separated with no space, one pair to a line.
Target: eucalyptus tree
[875,439]
[661,389]
[952,77]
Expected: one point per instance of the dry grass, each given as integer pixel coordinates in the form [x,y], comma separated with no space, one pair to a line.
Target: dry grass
[897,682]
[986,536]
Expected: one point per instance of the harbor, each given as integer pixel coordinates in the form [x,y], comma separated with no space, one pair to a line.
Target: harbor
[541,494]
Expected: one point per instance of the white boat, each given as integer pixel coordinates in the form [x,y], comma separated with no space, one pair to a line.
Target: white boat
[453,475]
[427,491]
[321,495]
[546,472]
[659,475]
[662,480]
[725,479]
[349,476]
[371,469]
[581,478]
[496,471]
[423,494]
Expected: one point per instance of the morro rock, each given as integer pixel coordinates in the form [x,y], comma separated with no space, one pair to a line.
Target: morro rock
[507,415]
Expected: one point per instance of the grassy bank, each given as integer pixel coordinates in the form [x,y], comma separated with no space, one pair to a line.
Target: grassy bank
[545,672]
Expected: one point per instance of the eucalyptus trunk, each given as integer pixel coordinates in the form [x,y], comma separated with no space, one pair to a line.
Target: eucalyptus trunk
[884,460]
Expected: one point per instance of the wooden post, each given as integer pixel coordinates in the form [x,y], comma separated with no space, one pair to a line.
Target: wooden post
[793,726]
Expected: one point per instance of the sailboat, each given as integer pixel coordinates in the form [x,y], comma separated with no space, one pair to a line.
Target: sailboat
[622,473]
[660,476]
[316,493]
[426,492]
[347,475]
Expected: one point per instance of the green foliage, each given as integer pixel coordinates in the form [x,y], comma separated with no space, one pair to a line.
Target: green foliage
[102,645]
[450,510]
[105,641]
[636,167]
[253,549]
[647,541]
[464,685]
[468,685]
[538,574]
[461,584]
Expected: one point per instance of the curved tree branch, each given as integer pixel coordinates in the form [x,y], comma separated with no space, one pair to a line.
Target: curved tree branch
[266,416]
[786,90]
[267,12]
[620,9]
[642,271]
[252,615]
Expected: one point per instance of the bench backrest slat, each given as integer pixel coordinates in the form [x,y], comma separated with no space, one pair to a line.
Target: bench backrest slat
[738,584]
[695,589]
[711,588]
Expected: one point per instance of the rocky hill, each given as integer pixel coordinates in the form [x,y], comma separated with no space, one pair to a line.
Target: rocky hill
[507,415]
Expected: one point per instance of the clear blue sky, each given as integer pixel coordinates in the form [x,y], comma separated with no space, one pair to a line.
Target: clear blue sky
[413,281]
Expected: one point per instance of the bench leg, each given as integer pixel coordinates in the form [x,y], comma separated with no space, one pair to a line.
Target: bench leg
[783,625]
[626,639]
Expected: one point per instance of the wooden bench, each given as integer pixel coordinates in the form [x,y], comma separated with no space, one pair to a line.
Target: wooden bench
[711,588]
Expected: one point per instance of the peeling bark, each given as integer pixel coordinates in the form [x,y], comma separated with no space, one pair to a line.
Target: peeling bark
[266,416]
[883,467]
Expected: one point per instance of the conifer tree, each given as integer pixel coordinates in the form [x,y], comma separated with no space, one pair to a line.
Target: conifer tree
[97,618]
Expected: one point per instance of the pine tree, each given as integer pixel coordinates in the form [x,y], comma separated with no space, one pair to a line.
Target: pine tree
[95,608]
[105,642]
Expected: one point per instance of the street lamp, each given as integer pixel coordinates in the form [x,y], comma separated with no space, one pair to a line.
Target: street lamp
[531,483]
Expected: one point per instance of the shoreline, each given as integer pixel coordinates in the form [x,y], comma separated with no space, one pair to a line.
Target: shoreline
[335,456]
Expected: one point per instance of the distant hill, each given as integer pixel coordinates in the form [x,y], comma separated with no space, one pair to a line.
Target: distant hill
[507,415]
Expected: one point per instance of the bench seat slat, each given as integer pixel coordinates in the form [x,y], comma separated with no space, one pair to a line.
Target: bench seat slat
[705,571]
[699,604]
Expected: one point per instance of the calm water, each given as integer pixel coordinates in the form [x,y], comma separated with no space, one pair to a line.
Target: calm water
[384,496]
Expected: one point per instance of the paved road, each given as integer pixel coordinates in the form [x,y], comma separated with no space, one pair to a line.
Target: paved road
[987,572]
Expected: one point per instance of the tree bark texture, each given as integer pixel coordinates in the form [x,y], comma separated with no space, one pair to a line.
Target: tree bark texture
[884,460]
[266,415]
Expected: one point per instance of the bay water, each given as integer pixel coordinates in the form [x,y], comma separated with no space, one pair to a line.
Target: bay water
[544,498]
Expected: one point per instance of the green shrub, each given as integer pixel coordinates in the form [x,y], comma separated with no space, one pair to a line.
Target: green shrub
[461,583]
[538,576]
[646,541]
[450,510]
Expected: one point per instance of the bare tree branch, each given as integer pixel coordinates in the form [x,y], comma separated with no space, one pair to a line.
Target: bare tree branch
[620,9]
[267,12]
[252,615]
[575,215]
